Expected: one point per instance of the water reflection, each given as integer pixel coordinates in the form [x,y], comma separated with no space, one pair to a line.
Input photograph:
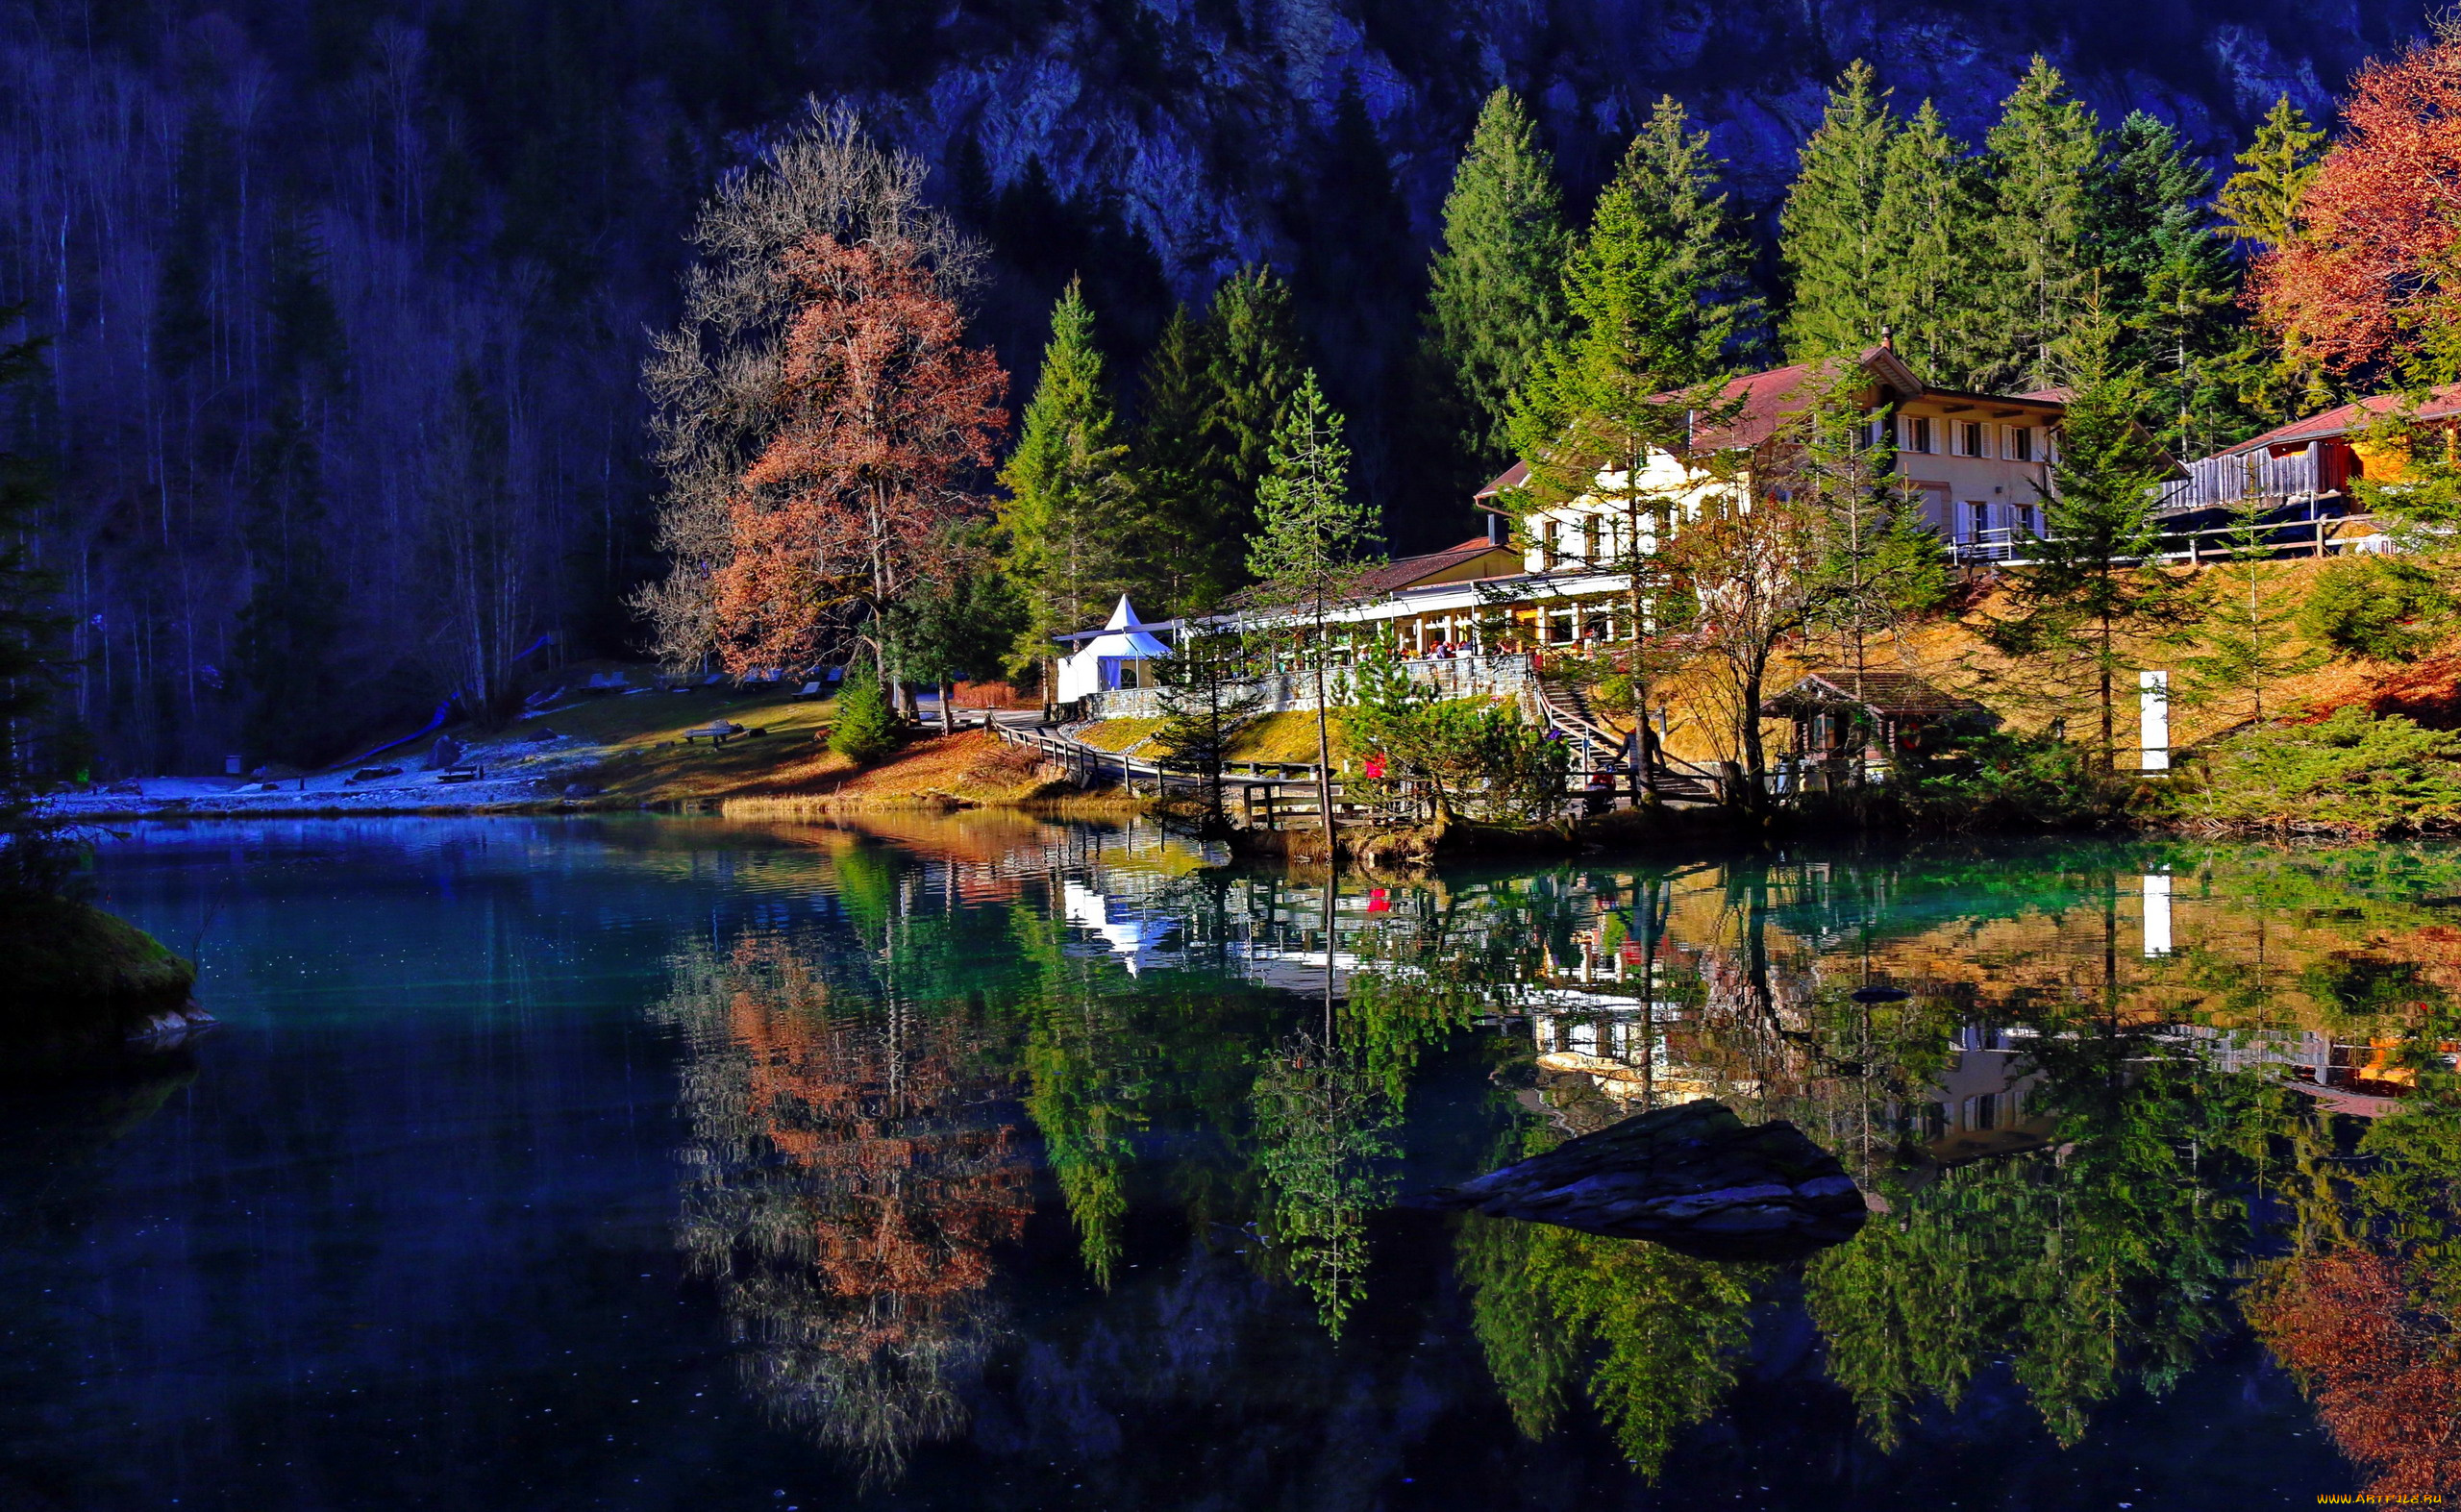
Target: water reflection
[852,1168]
[1030,1146]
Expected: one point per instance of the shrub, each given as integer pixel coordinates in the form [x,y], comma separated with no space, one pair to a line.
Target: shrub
[1996,778]
[865,730]
[2355,773]
[2377,607]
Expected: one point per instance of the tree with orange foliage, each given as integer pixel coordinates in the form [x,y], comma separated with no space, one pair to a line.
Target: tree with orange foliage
[883,414]
[2368,275]
[2360,1331]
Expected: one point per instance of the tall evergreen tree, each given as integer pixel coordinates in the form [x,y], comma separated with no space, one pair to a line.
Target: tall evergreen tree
[1311,542]
[2259,208]
[2039,161]
[1666,268]
[2260,202]
[2096,581]
[1661,311]
[1173,457]
[1841,253]
[1068,512]
[289,626]
[1869,235]
[1932,201]
[1254,373]
[1496,294]
[2165,273]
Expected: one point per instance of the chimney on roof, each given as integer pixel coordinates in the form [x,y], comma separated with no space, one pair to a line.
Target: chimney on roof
[1888,338]
[1495,528]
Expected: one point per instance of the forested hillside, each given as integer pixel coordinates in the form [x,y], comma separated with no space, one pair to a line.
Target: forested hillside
[346,303]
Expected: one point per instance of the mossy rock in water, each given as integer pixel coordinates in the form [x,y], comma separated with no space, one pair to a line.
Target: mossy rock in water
[71,972]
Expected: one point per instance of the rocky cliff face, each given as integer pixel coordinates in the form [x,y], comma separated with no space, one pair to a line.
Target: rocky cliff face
[1200,119]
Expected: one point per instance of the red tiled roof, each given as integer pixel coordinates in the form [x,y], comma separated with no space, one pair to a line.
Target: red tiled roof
[1769,398]
[1395,575]
[2439,404]
[1513,477]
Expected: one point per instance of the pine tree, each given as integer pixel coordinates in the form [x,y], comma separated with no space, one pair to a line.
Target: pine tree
[1496,299]
[1068,517]
[2039,161]
[2096,578]
[1665,271]
[1871,236]
[2260,202]
[1841,252]
[1253,374]
[1933,200]
[1661,310]
[2247,614]
[2163,269]
[1173,467]
[2259,208]
[1312,541]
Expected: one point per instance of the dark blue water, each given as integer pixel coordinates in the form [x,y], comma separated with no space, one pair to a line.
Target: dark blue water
[680,1164]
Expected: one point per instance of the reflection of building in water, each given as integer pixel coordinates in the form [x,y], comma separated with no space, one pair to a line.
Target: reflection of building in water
[847,1182]
[1139,937]
[1978,1107]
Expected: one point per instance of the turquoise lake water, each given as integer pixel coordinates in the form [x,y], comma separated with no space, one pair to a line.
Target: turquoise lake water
[986,1163]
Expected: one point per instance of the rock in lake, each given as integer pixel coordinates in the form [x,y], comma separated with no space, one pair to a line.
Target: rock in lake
[1693,1177]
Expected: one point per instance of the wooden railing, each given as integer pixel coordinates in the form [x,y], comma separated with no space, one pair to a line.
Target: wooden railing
[2218,480]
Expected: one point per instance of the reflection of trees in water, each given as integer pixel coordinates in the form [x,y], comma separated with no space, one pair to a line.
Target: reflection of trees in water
[1654,1338]
[2104,1260]
[848,1181]
[1086,1088]
[2366,1310]
[1324,1148]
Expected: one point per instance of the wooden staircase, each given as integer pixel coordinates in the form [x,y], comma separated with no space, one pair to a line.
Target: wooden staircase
[1597,744]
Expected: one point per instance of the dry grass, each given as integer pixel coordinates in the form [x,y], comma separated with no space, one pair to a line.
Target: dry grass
[970,767]
[1949,653]
[1118,735]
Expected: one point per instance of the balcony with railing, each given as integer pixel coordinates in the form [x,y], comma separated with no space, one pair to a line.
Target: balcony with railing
[2220,481]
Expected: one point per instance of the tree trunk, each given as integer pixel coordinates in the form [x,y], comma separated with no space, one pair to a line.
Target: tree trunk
[1755,756]
[947,714]
[1325,754]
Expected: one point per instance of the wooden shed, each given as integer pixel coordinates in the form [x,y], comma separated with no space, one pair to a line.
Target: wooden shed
[1897,714]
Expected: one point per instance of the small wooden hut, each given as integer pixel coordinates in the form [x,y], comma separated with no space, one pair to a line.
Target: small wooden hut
[1840,714]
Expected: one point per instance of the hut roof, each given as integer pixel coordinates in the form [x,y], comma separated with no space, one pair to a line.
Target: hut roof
[1891,695]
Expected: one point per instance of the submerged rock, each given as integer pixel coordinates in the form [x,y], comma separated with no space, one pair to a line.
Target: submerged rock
[1693,1177]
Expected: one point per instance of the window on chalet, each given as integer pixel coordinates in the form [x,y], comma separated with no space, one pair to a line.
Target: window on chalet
[2021,444]
[1974,438]
[1914,433]
[1589,538]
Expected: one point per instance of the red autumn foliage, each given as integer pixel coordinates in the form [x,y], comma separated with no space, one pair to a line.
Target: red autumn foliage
[910,1194]
[2384,1374]
[884,414]
[2373,259]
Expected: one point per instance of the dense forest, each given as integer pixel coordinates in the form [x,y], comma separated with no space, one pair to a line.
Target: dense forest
[344,308]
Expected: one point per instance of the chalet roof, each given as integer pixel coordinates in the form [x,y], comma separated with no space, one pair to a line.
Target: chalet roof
[1769,398]
[1513,477]
[1893,695]
[1395,575]
[2439,405]
[1406,572]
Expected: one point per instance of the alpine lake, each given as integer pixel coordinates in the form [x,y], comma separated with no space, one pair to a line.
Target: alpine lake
[977,1161]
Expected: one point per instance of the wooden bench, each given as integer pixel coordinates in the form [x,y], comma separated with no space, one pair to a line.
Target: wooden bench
[719,733]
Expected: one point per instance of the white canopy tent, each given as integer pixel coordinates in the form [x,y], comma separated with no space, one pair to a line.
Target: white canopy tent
[1113,658]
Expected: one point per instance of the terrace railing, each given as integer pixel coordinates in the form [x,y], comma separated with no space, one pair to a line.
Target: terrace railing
[2220,481]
